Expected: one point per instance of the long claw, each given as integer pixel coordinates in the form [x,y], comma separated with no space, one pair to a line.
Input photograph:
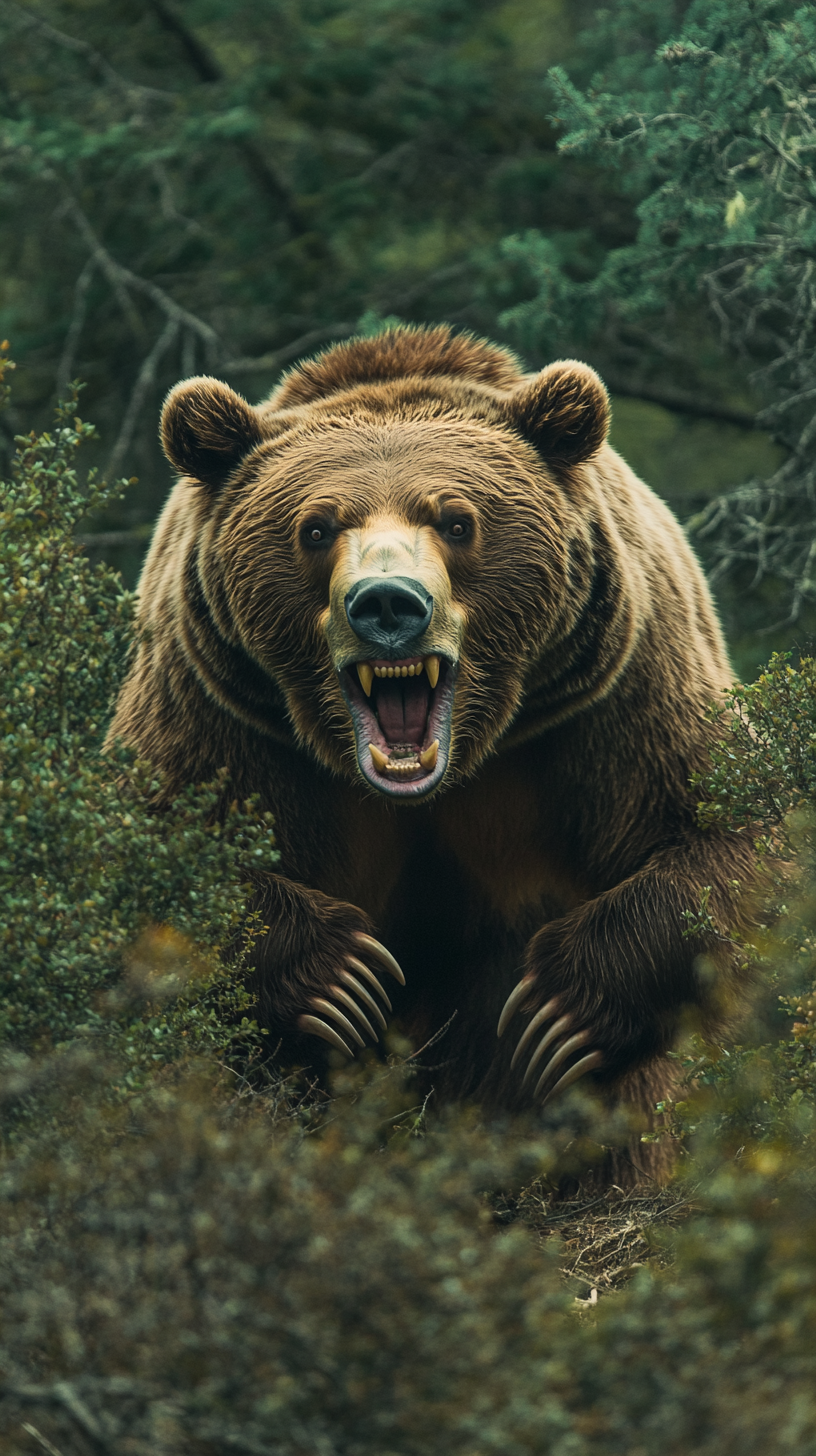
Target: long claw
[562,1024]
[321,1004]
[370,977]
[379,952]
[566,1048]
[544,1014]
[349,980]
[514,1000]
[586,1064]
[316,1027]
[355,1009]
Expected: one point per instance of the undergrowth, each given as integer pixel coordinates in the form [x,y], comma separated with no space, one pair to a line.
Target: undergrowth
[93,882]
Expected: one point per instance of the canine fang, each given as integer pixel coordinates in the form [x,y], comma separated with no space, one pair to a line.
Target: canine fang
[429,757]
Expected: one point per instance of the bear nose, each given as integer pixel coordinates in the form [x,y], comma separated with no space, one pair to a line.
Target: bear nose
[390,612]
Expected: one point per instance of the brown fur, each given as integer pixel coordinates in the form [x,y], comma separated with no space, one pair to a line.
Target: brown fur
[563,838]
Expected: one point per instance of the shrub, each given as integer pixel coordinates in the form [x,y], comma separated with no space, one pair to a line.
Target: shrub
[87,869]
[185,1276]
[762,782]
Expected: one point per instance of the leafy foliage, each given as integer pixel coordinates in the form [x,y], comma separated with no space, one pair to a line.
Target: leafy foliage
[195,1277]
[86,865]
[710,119]
[763,782]
[766,768]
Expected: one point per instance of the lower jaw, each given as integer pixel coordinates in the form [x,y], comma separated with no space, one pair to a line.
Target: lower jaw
[402,779]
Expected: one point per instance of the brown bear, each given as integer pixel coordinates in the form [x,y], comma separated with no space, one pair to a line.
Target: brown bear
[417,604]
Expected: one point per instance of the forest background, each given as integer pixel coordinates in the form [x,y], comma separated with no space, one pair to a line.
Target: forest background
[195,1254]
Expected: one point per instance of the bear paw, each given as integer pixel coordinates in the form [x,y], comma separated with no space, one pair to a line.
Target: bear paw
[351,976]
[562,1040]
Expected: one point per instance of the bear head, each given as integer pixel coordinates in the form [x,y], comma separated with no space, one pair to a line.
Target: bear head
[395,538]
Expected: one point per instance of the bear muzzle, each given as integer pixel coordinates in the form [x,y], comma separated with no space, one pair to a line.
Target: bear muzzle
[395,637]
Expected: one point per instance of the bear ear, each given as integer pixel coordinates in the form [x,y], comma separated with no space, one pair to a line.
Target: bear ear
[207,429]
[563,411]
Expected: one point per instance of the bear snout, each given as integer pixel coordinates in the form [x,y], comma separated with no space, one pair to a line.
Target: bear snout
[390,613]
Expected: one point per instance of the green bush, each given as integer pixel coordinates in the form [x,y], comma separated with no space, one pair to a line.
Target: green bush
[762,782]
[91,878]
[193,1276]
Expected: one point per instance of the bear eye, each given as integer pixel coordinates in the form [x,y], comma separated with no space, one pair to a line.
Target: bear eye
[317,534]
[458,530]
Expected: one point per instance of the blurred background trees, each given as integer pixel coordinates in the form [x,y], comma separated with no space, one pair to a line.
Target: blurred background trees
[222,187]
[225,187]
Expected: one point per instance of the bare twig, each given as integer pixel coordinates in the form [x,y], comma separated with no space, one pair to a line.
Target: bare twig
[41,1439]
[383,164]
[62,1393]
[144,379]
[178,322]
[66,363]
[168,203]
[121,277]
[264,363]
[98,540]
[423,286]
[198,56]
[605,1239]
[679,402]
[129,89]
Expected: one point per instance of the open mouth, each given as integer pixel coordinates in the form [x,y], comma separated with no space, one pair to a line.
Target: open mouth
[401,713]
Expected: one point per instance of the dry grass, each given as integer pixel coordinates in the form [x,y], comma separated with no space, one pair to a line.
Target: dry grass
[606,1238]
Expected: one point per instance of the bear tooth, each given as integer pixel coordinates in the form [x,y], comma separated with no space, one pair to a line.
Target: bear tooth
[418,668]
[432,669]
[365,673]
[429,757]
[411,670]
[378,759]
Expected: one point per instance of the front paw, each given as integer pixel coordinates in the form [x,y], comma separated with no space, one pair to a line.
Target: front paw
[314,968]
[354,986]
[554,1049]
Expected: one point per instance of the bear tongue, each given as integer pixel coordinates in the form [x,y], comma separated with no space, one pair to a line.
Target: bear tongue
[402,708]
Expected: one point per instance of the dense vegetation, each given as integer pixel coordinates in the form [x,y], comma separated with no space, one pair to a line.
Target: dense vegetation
[88,873]
[197,1254]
